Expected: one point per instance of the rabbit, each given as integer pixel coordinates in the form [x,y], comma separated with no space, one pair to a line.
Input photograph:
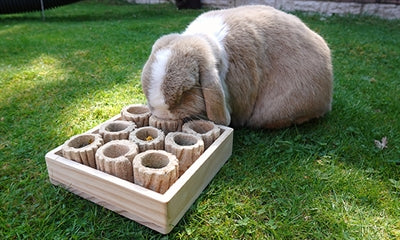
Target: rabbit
[249,66]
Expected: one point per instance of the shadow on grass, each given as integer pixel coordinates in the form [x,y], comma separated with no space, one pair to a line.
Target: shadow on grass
[76,13]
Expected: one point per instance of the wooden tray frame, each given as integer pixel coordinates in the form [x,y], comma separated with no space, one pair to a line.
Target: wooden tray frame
[160,212]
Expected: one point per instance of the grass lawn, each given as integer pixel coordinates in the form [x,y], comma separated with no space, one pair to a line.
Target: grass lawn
[326,179]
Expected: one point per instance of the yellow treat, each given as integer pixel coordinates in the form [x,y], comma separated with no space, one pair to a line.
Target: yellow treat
[149,138]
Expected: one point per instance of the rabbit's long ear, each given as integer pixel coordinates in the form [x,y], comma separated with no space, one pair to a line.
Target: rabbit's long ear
[164,41]
[214,97]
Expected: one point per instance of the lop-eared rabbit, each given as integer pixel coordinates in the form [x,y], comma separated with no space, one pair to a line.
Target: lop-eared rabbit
[251,66]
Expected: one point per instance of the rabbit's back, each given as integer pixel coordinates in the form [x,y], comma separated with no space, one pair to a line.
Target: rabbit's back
[279,71]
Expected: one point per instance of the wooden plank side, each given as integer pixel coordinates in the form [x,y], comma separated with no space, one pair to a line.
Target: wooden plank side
[121,211]
[203,171]
[139,204]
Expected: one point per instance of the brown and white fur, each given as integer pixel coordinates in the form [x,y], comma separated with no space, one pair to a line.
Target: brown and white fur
[249,66]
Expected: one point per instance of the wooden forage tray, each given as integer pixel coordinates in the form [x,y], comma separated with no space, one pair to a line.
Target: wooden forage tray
[160,212]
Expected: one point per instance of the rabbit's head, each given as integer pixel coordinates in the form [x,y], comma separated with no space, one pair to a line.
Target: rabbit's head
[180,80]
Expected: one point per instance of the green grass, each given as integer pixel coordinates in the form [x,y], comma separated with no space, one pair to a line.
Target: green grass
[322,180]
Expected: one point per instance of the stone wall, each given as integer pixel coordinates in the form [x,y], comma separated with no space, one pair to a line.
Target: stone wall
[389,9]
